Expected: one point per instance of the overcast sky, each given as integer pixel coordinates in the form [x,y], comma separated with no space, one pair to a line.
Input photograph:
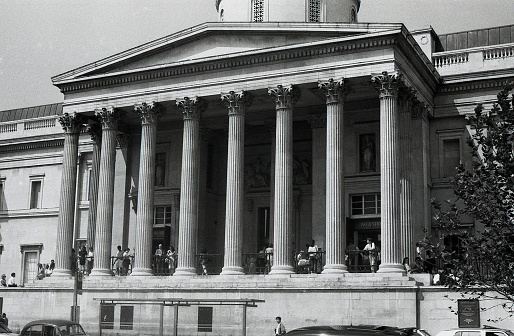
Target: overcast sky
[43,38]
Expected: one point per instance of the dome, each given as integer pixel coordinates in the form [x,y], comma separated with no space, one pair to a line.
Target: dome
[341,11]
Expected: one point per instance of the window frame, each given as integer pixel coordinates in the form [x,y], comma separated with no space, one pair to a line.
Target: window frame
[446,135]
[164,223]
[24,250]
[34,179]
[377,206]
[2,192]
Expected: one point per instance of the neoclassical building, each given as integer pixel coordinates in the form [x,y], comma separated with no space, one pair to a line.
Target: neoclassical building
[284,123]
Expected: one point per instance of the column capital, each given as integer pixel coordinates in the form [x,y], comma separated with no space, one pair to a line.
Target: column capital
[71,123]
[122,141]
[109,117]
[149,112]
[317,120]
[406,98]
[386,84]
[95,131]
[285,97]
[237,102]
[192,108]
[420,110]
[336,92]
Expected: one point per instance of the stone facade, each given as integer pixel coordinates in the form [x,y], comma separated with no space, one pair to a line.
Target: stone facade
[224,144]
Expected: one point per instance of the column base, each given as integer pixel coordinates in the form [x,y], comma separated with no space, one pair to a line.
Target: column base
[61,272]
[281,270]
[391,268]
[334,269]
[185,272]
[100,272]
[141,272]
[232,270]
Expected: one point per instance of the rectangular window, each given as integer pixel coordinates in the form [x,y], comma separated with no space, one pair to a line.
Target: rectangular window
[162,215]
[204,319]
[314,10]
[35,194]
[451,156]
[258,11]
[365,205]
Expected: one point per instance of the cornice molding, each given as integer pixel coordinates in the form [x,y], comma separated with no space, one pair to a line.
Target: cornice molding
[493,83]
[245,59]
[32,145]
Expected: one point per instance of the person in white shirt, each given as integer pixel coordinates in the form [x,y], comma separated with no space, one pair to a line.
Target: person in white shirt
[279,329]
[12,281]
[372,254]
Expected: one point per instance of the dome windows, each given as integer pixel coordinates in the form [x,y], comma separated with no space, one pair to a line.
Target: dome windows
[314,10]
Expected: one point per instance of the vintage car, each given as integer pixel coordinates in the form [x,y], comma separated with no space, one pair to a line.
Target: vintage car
[356,330]
[485,331]
[52,328]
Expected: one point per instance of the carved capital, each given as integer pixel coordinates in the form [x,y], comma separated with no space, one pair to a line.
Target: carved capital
[95,131]
[149,112]
[108,117]
[387,84]
[317,120]
[335,92]
[192,109]
[71,123]
[406,98]
[285,97]
[237,102]
[420,110]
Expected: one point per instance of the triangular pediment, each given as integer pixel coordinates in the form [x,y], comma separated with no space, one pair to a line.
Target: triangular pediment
[214,41]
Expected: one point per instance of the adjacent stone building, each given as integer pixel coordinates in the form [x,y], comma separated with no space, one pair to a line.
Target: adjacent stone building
[282,124]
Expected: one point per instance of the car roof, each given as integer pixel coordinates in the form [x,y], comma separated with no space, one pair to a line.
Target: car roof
[370,329]
[56,322]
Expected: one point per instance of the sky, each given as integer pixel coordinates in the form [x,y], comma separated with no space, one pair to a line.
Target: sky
[43,38]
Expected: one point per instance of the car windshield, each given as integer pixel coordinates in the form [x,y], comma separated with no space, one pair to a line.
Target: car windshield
[71,330]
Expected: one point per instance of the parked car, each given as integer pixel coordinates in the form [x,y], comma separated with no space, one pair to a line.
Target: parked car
[52,328]
[485,331]
[4,331]
[357,330]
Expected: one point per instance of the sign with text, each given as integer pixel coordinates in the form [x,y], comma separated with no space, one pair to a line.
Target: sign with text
[469,313]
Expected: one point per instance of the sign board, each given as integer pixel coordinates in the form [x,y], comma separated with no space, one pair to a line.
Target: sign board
[469,313]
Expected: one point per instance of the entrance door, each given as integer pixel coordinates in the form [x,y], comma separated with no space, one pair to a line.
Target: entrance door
[30,267]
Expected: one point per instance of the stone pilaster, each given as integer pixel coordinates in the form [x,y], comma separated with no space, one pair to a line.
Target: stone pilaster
[406,99]
[335,236]
[71,123]
[285,99]
[103,235]
[189,185]
[387,86]
[319,157]
[237,104]
[149,114]
[96,135]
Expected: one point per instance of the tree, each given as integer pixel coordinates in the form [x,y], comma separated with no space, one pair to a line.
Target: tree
[483,264]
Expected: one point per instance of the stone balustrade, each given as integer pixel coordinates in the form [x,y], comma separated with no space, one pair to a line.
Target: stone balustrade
[30,127]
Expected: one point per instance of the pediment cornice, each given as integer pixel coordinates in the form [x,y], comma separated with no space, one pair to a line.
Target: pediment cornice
[232,61]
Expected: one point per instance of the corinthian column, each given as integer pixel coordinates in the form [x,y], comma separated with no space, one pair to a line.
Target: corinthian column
[149,114]
[103,234]
[285,99]
[336,93]
[407,98]
[189,186]
[237,105]
[96,135]
[387,86]
[71,123]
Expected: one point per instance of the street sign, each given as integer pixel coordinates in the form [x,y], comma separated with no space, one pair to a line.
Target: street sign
[469,313]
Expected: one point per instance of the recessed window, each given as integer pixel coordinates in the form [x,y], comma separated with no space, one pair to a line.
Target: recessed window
[2,193]
[365,204]
[451,157]
[36,187]
[314,10]
[258,11]
[162,215]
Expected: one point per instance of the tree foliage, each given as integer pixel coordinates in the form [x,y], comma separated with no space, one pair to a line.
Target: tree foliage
[483,263]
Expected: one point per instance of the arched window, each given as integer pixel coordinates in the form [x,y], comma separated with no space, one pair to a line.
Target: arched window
[314,10]
[353,15]
[258,11]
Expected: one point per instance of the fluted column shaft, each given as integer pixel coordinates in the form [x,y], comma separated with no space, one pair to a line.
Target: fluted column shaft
[390,173]
[71,124]
[149,114]
[406,97]
[335,220]
[103,233]
[237,104]
[96,135]
[189,186]
[285,99]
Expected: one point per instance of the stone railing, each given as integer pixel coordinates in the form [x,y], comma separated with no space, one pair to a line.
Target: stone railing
[41,123]
[7,128]
[450,59]
[499,52]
